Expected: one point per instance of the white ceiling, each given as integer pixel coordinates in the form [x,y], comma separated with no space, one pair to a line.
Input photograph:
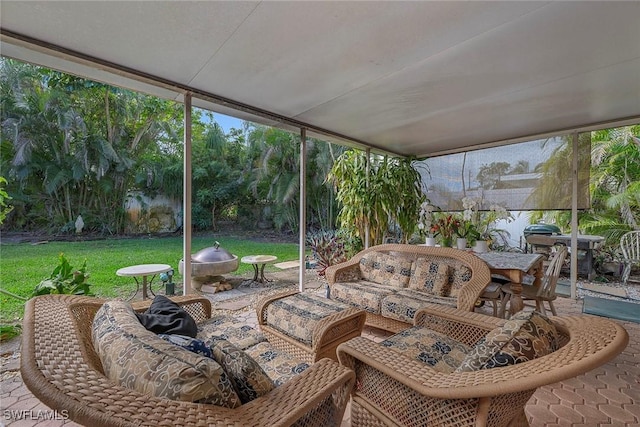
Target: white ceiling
[413,78]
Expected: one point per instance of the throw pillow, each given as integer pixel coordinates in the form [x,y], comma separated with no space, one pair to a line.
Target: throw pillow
[135,357]
[430,276]
[248,378]
[526,336]
[166,317]
[390,271]
[367,265]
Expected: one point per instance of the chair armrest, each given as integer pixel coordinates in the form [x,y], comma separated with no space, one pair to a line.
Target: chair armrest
[299,398]
[591,342]
[462,326]
[336,273]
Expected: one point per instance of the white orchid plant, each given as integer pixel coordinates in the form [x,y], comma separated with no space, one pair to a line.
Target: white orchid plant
[425,219]
[484,222]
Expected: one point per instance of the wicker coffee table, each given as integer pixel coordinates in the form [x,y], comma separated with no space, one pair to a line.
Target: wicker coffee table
[307,325]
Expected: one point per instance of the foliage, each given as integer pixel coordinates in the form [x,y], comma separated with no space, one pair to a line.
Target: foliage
[273,177]
[4,207]
[65,280]
[482,224]
[327,248]
[74,147]
[614,186]
[445,226]
[615,183]
[467,230]
[9,331]
[368,194]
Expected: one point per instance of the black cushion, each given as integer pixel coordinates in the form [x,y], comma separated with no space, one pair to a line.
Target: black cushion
[166,317]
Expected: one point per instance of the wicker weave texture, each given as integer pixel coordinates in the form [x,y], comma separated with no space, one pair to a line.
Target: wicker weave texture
[494,396]
[56,369]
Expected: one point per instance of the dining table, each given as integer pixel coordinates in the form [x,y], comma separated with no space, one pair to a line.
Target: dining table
[515,266]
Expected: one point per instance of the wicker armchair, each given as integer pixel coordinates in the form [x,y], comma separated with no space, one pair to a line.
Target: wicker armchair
[61,368]
[393,389]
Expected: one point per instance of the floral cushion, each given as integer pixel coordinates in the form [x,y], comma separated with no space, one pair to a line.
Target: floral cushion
[278,365]
[386,269]
[459,276]
[248,378]
[367,263]
[297,315]
[526,336]
[430,276]
[135,357]
[231,329]
[365,295]
[436,350]
[404,304]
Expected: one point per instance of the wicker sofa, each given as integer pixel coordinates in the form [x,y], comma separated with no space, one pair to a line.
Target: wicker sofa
[392,282]
[60,366]
[457,368]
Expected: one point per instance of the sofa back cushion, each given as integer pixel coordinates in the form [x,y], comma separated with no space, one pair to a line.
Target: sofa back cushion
[430,276]
[459,276]
[135,357]
[385,269]
[526,336]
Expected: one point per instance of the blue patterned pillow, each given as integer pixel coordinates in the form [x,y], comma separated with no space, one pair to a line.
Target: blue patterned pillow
[248,378]
[192,344]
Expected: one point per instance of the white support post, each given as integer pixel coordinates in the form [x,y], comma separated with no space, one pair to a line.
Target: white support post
[368,169]
[574,216]
[303,206]
[186,203]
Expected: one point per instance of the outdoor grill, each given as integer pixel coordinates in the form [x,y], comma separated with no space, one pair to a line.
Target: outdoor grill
[540,238]
[208,264]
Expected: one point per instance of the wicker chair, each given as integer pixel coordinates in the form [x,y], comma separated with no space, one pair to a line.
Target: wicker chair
[61,368]
[395,390]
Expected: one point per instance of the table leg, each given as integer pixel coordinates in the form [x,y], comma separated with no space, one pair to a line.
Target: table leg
[516,303]
[144,287]
[136,291]
[255,272]
[262,278]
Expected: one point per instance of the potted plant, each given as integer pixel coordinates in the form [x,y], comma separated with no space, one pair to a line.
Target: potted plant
[484,222]
[445,226]
[467,234]
[425,222]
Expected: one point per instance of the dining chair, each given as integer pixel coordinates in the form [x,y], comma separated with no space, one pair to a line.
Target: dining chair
[630,248]
[546,291]
[493,294]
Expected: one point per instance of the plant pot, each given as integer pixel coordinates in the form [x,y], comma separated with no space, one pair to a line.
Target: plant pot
[446,243]
[461,243]
[430,241]
[481,247]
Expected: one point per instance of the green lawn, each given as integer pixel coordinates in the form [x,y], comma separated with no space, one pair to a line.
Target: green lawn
[24,265]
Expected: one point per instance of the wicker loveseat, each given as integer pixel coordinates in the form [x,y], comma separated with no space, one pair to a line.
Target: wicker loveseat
[458,368]
[60,366]
[392,282]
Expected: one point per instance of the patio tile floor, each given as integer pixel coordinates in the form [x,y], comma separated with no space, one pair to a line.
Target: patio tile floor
[606,396]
